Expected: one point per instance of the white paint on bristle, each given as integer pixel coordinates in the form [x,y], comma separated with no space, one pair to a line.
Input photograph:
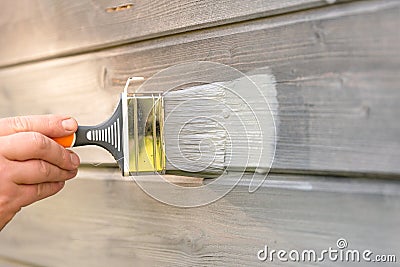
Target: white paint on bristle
[195,140]
[222,125]
[254,127]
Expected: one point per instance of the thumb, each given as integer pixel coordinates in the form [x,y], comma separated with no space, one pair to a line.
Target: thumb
[49,125]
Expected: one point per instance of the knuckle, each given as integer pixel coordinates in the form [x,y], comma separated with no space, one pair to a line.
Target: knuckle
[64,155]
[40,189]
[40,141]
[44,190]
[20,124]
[52,122]
[44,168]
[62,159]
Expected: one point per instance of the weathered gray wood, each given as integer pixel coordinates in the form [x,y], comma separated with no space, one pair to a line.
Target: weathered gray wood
[100,220]
[39,29]
[7,262]
[337,74]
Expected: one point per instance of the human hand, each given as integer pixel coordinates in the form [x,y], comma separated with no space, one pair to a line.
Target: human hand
[32,165]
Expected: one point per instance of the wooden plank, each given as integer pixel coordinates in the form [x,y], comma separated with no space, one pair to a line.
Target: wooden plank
[33,30]
[337,73]
[100,220]
[7,262]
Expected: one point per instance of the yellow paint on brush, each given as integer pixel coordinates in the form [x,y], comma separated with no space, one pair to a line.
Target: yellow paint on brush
[146,156]
[145,133]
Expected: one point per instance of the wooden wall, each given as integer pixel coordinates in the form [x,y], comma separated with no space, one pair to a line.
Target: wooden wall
[335,174]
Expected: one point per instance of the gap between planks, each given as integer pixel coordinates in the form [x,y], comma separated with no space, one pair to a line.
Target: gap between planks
[357,183]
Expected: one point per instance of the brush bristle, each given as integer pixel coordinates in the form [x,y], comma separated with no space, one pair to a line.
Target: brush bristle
[195,139]
[219,126]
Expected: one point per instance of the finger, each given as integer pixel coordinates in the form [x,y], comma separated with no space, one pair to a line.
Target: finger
[37,171]
[32,145]
[8,204]
[49,125]
[29,194]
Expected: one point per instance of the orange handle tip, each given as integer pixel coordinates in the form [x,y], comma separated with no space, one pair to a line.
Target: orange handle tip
[65,141]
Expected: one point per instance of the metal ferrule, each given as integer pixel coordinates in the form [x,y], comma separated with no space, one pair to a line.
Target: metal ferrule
[143,128]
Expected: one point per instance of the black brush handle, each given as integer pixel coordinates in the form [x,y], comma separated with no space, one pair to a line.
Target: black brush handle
[107,135]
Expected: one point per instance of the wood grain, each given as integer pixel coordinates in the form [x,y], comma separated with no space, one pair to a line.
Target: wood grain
[337,74]
[7,262]
[33,30]
[99,220]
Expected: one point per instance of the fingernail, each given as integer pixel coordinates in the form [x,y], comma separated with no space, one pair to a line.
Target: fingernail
[69,124]
[74,159]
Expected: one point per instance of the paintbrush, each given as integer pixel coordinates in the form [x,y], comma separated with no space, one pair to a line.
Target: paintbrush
[200,130]
[155,132]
